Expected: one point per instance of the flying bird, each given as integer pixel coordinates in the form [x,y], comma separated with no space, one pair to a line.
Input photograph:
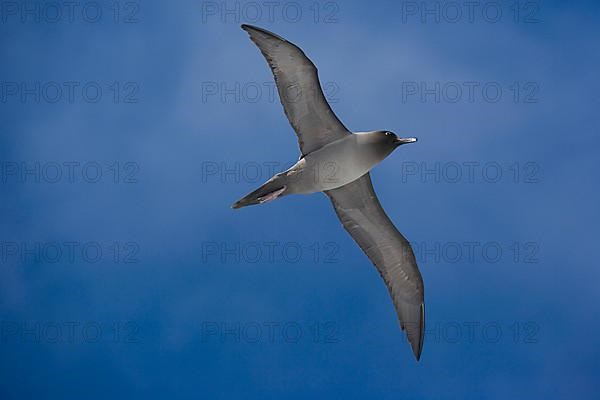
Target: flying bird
[337,162]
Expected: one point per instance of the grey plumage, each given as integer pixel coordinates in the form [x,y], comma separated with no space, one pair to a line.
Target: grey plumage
[299,90]
[326,144]
[358,208]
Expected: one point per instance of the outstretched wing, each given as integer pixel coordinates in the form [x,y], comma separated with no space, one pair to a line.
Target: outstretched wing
[360,212]
[299,91]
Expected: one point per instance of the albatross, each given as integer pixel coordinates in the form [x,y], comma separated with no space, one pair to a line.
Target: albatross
[337,162]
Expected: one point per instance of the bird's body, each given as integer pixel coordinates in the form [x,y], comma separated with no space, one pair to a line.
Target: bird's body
[337,162]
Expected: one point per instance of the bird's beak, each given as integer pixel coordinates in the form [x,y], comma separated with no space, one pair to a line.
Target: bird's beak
[400,141]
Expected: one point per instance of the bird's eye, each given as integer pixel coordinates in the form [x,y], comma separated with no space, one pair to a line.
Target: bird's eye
[387,134]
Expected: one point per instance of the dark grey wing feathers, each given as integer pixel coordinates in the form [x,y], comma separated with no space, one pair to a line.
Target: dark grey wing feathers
[361,214]
[299,91]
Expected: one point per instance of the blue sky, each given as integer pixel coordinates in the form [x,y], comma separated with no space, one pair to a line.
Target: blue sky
[127,134]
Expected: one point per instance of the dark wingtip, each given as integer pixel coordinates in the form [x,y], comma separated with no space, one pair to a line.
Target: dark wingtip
[419,347]
[249,28]
[417,352]
[415,332]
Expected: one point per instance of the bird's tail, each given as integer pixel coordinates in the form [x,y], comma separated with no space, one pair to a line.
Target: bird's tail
[271,190]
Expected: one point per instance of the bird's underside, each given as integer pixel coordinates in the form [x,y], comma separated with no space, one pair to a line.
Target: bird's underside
[355,203]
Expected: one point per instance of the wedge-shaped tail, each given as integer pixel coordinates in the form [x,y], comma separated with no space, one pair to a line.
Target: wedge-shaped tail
[271,190]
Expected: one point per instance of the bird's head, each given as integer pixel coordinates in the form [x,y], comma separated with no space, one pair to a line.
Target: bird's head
[388,140]
[392,139]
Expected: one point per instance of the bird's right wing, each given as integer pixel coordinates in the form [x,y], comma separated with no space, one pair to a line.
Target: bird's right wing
[360,212]
[299,91]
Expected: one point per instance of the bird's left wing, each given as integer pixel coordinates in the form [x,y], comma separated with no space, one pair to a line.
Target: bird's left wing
[360,212]
[299,91]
